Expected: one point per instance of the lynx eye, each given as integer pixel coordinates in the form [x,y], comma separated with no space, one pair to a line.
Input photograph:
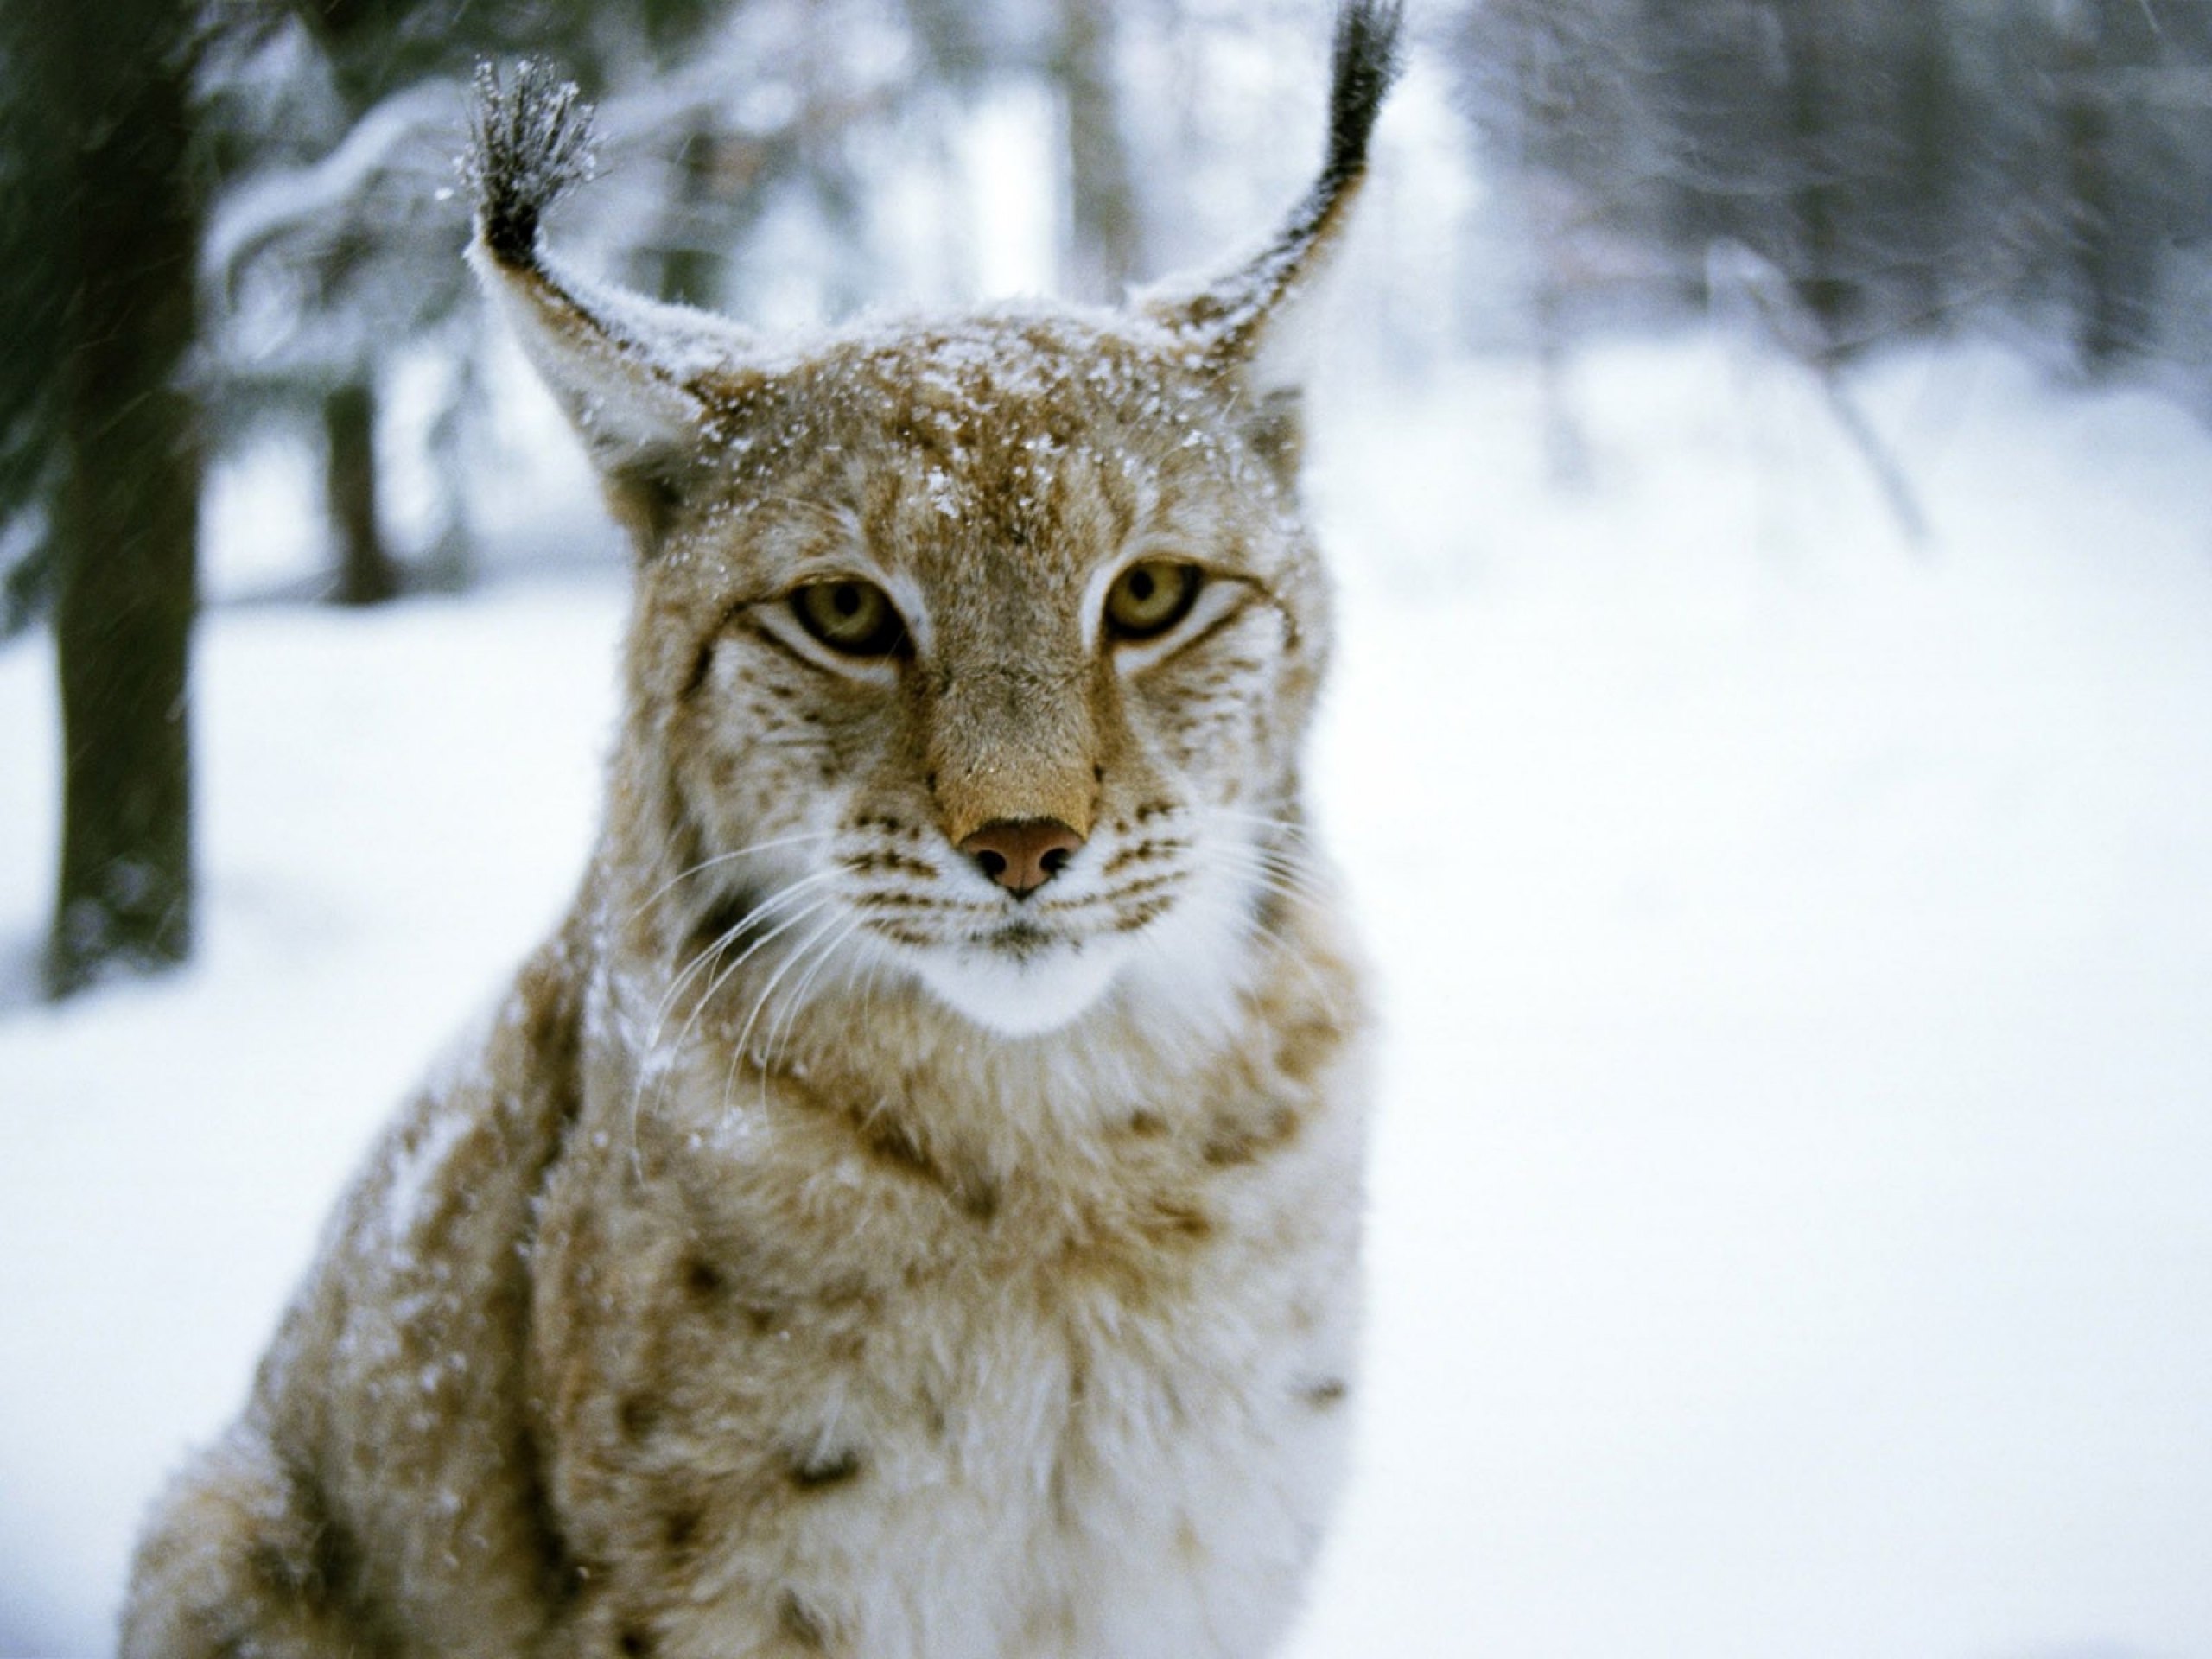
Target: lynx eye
[1148,598]
[856,618]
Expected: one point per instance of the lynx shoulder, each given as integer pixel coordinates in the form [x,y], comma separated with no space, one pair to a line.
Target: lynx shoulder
[913,1206]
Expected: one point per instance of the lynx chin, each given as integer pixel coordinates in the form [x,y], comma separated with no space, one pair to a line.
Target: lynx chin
[911,1209]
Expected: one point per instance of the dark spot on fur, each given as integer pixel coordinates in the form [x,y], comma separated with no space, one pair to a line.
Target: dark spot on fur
[1234,1144]
[978,1199]
[888,1138]
[634,1642]
[896,1144]
[1305,1047]
[553,1031]
[881,902]
[276,1568]
[1140,915]
[801,1624]
[1276,432]
[1270,912]
[561,1577]
[1056,1492]
[301,1553]
[725,924]
[679,1526]
[1187,1543]
[647,499]
[819,1471]
[702,1278]
[703,664]
[1331,1391]
[1142,853]
[1149,1126]
[1172,1220]
[639,1415]
[884,862]
[335,1557]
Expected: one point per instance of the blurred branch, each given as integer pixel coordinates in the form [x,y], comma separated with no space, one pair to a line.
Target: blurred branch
[1735,271]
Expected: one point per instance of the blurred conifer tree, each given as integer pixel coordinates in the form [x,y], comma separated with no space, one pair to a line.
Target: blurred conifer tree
[100,444]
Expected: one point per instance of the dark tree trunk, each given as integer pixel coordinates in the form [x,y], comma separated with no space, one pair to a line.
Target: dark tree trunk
[1815,211]
[1108,234]
[125,513]
[1931,143]
[366,574]
[2112,261]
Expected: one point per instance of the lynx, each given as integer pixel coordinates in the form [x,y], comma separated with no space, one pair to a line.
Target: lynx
[912,1207]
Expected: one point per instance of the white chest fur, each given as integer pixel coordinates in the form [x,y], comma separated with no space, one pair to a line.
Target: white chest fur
[826,1377]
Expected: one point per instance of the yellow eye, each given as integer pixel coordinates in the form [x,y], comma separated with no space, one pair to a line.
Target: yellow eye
[854,618]
[1148,598]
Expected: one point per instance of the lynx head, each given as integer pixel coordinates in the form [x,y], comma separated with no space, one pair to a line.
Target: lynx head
[976,651]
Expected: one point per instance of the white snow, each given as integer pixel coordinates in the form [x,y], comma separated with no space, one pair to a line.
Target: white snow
[1790,1232]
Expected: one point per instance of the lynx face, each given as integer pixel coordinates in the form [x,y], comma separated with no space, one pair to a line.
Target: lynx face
[980,655]
[974,652]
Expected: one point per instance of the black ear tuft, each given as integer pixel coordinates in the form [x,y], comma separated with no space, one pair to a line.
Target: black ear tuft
[1364,60]
[1230,315]
[529,142]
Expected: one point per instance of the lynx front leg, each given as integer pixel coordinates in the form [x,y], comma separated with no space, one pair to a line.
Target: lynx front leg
[239,1562]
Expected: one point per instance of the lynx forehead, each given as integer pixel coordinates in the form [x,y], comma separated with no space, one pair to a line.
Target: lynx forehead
[911,1209]
[990,458]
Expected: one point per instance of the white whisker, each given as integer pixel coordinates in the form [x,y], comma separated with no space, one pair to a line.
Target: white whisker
[802,839]
[785,1024]
[777,900]
[738,1049]
[1244,917]
[815,905]
[1280,872]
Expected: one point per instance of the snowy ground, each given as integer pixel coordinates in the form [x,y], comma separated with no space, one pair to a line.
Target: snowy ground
[1790,1226]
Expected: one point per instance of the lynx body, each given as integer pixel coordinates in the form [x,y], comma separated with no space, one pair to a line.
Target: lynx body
[912,1208]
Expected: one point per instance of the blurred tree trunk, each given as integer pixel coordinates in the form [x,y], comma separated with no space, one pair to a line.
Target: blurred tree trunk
[1814,208]
[2112,256]
[1108,251]
[951,36]
[2087,124]
[124,513]
[366,574]
[1931,143]
[689,274]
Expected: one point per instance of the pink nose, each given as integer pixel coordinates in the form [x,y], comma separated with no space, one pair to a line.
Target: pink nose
[1022,854]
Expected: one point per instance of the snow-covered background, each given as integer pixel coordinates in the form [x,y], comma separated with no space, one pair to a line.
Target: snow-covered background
[1792,1221]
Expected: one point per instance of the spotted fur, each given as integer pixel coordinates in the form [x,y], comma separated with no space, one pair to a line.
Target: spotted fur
[825,1248]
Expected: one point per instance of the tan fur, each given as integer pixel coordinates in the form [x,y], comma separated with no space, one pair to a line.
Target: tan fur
[762,1281]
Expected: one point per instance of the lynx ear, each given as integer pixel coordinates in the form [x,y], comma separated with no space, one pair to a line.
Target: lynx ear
[628,369]
[1254,322]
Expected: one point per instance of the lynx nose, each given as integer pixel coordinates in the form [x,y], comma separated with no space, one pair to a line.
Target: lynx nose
[1022,854]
